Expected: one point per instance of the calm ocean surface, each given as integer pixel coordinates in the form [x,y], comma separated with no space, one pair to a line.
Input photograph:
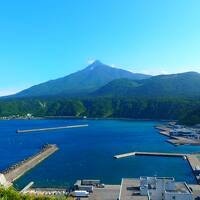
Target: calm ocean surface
[88,152]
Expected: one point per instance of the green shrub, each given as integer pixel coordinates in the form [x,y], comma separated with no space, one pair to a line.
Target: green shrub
[12,194]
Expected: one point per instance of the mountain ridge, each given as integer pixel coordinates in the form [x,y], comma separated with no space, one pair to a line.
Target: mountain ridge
[181,84]
[98,79]
[81,82]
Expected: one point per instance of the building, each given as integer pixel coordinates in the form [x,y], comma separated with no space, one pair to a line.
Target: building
[186,132]
[164,188]
[181,132]
[154,188]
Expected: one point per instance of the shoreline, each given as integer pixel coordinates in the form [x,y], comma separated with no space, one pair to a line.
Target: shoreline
[175,140]
[88,118]
[17,170]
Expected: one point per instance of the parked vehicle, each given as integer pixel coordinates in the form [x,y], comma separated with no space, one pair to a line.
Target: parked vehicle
[80,193]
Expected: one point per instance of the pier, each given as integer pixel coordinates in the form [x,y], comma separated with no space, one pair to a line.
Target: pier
[27,187]
[51,129]
[124,155]
[149,154]
[17,170]
[193,159]
[194,163]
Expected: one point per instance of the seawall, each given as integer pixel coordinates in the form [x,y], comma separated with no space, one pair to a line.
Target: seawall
[17,170]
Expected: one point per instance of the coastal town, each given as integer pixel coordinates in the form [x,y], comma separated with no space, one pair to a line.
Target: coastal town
[180,134]
[26,116]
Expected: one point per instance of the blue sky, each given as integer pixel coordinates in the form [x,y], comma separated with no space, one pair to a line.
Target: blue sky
[45,39]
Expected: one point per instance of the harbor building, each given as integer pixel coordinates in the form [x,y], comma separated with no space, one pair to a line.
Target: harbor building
[154,188]
[181,132]
[185,132]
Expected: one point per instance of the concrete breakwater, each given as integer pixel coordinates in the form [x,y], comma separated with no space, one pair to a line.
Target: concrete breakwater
[193,159]
[14,172]
[51,129]
[149,154]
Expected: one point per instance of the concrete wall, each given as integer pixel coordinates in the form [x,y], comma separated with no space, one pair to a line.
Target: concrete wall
[3,181]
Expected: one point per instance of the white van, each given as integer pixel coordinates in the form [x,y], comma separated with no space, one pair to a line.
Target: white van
[80,193]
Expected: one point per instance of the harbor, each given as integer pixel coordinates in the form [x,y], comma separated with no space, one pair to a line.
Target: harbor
[57,175]
[17,170]
[193,159]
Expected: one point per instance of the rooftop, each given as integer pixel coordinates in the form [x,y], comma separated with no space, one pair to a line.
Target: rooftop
[109,192]
[161,178]
[130,190]
[181,188]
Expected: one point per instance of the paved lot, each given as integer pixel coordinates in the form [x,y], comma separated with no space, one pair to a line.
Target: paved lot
[110,192]
[196,191]
[130,190]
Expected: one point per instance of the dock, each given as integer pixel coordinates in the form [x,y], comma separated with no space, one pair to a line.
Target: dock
[27,187]
[51,129]
[124,155]
[163,128]
[194,163]
[193,159]
[176,140]
[17,170]
[149,154]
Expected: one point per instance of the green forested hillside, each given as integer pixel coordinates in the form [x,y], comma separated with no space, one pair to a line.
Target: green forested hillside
[191,117]
[118,87]
[173,85]
[175,96]
[136,108]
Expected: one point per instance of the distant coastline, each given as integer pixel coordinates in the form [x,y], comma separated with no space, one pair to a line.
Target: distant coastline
[104,118]
[89,118]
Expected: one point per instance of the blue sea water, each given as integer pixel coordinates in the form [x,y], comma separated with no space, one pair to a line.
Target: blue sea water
[87,153]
